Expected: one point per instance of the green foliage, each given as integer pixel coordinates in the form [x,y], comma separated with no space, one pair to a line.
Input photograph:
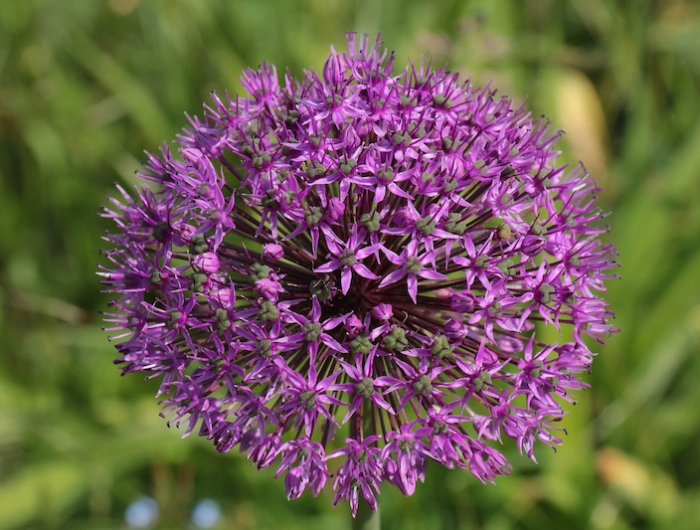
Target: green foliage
[86,86]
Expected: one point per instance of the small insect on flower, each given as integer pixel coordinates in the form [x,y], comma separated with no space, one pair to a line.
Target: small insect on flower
[353,266]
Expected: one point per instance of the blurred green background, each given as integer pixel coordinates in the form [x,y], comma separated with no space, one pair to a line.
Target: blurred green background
[86,86]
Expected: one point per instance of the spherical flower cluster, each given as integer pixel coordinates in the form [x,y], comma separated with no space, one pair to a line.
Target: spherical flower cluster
[344,275]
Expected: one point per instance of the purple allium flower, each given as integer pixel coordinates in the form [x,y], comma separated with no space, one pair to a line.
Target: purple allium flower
[355,265]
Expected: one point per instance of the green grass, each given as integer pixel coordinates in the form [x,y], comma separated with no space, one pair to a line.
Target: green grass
[85,87]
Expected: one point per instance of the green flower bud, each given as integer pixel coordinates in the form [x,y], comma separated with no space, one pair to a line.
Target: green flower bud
[481,261]
[313,215]
[482,380]
[347,166]
[396,340]
[348,258]
[505,231]
[426,225]
[156,277]
[198,245]
[371,221]
[361,344]
[174,317]
[316,170]
[440,427]
[439,99]
[312,330]
[268,312]
[385,175]
[441,347]
[365,387]
[259,271]
[450,185]
[455,225]
[413,265]
[545,291]
[423,386]
[265,346]
[537,370]
[308,398]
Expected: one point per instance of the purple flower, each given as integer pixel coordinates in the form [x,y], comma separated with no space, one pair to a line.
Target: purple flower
[358,265]
[360,473]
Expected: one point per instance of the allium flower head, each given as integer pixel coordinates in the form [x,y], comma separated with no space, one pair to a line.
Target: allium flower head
[344,275]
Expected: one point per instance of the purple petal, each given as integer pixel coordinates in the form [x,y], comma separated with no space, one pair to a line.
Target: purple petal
[368,251]
[332,265]
[431,275]
[412,283]
[393,277]
[332,343]
[363,271]
[346,279]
